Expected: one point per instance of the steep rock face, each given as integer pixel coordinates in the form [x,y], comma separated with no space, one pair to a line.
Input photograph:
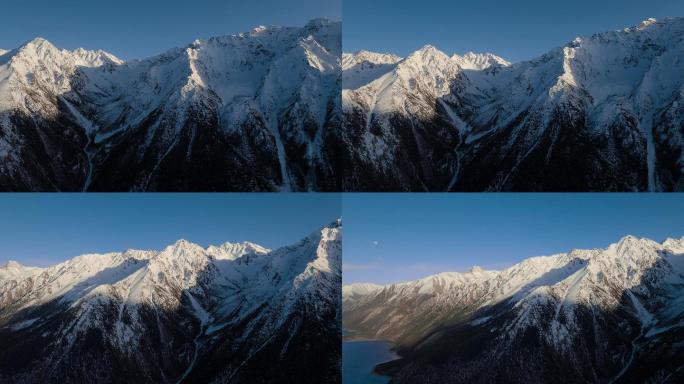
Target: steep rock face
[249,112]
[601,113]
[235,313]
[602,315]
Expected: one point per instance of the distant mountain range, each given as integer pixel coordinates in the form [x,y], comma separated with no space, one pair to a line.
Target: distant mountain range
[602,113]
[235,313]
[611,315]
[283,109]
[257,111]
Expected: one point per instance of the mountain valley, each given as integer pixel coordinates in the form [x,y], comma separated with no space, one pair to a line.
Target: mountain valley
[610,315]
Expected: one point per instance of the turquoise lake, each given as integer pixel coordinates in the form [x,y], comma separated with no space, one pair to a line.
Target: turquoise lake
[360,357]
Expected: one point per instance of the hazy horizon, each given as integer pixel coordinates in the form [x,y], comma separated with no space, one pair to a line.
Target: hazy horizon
[503,267]
[402,237]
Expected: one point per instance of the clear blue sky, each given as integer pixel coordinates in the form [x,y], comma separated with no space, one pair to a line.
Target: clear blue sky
[141,28]
[42,229]
[399,237]
[516,30]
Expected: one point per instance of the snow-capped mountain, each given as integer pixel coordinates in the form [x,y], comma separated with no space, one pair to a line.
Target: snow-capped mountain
[235,313]
[255,111]
[602,315]
[353,291]
[602,113]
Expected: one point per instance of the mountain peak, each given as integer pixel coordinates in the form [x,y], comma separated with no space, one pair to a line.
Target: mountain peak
[376,57]
[646,23]
[429,49]
[250,244]
[480,61]
[98,56]
[184,246]
[357,290]
[41,52]
[361,66]
[38,43]
[37,49]
[12,265]
[675,244]
[631,239]
[182,243]
[238,249]
[258,29]
[634,242]
[429,54]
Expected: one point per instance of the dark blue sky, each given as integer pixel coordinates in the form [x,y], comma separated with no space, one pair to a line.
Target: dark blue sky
[398,237]
[141,28]
[42,229]
[516,30]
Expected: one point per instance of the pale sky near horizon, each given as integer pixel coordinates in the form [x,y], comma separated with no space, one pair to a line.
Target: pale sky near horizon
[399,237]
